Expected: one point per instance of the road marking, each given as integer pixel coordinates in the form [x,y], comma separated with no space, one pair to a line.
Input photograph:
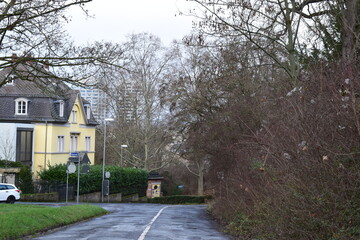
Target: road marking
[142,236]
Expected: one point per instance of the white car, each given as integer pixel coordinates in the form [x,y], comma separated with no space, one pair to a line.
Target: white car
[9,193]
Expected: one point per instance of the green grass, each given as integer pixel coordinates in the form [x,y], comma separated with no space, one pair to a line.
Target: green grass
[18,220]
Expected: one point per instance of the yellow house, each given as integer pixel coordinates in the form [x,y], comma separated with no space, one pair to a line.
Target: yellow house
[43,121]
[55,142]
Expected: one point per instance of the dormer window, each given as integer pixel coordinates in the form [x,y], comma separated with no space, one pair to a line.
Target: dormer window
[10,79]
[21,106]
[87,111]
[61,108]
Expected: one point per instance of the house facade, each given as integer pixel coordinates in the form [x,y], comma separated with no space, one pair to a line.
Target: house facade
[43,121]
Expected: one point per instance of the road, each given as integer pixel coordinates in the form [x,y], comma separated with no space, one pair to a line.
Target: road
[144,222]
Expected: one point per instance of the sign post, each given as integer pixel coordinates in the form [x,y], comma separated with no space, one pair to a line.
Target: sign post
[71,168]
[78,183]
[78,158]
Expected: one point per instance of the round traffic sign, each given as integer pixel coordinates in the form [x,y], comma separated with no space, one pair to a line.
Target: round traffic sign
[71,168]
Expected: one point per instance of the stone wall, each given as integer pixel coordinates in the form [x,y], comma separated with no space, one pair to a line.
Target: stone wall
[89,197]
[40,197]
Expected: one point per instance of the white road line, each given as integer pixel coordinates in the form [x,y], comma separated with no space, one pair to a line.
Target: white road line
[142,236]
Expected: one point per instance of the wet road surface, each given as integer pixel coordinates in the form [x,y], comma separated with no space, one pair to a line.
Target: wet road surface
[144,222]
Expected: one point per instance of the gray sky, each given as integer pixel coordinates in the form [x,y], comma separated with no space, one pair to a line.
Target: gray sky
[114,19]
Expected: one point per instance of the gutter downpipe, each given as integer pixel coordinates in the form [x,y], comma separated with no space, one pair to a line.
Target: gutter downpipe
[46,131]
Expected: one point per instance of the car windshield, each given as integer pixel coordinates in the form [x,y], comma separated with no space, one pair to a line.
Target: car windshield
[10,187]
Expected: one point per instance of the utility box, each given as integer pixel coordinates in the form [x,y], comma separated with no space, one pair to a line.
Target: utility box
[154,185]
[106,187]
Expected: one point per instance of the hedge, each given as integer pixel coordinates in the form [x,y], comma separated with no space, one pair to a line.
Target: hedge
[122,180]
[11,164]
[180,199]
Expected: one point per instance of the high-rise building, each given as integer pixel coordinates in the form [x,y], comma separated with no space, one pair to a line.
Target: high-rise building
[124,105]
[99,102]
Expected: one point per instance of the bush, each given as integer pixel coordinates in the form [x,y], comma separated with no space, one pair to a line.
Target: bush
[25,182]
[297,174]
[180,199]
[124,180]
[6,163]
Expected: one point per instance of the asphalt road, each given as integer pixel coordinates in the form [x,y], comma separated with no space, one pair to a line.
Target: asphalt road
[145,222]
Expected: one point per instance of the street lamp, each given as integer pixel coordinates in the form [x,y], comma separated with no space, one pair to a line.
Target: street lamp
[121,159]
[103,163]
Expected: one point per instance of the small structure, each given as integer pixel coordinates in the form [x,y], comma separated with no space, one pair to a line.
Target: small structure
[7,175]
[154,185]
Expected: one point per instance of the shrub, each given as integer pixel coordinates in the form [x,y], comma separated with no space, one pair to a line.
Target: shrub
[6,163]
[25,182]
[124,180]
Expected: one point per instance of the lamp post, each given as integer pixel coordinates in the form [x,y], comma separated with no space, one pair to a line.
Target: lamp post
[121,159]
[103,163]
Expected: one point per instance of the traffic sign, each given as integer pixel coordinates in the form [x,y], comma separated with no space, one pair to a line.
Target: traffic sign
[85,169]
[74,159]
[84,158]
[71,168]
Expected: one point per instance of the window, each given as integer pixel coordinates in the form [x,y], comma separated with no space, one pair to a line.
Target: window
[74,113]
[73,143]
[87,111]
[61,108]
[24,145]
[60,143]
[10,79]
[21,106]
[87,143]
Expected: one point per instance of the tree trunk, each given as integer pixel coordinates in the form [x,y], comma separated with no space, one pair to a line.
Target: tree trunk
[349,24]
[201,178]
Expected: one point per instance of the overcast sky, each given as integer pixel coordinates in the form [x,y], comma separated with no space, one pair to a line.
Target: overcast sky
[114,19]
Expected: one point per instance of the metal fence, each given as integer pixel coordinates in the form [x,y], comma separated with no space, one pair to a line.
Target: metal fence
[60,188]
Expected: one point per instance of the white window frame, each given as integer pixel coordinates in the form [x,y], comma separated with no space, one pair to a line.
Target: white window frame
[74,142]
[61,143]
[10,80]
[61,108]
[87,143]
[73,115]
[21,106]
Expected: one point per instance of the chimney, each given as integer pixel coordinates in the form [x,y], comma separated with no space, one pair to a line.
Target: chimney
[14,57]
[46,65]
[29,59]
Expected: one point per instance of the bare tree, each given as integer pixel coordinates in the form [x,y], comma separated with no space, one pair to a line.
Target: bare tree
[292,27]
[134,93]
[192,96]
[32,29]
[7,148]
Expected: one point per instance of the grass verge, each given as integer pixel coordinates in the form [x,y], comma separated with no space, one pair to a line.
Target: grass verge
[20,220]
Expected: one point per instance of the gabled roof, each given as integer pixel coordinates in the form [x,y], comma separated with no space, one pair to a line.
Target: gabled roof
[43,93]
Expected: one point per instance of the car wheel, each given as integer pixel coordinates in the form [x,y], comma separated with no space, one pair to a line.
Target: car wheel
[10,199]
